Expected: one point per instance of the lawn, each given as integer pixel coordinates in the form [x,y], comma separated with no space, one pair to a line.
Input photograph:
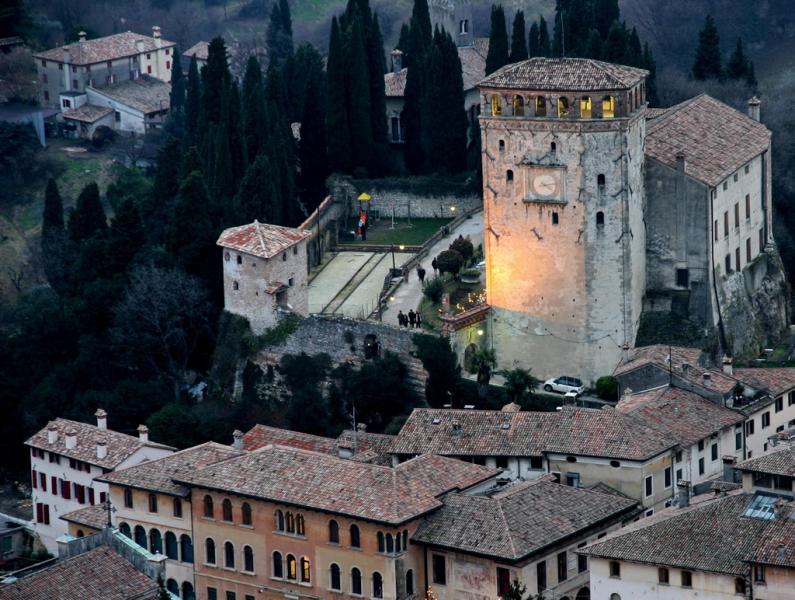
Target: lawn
[409,234]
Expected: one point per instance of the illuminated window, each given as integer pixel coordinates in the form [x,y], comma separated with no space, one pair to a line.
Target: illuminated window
[518,106]
[305,571]
[608,107]
[563,107]
[496,105]
[292,572]
[586,107]
[541,106]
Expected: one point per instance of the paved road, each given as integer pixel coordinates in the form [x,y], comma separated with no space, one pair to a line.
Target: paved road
[409,294]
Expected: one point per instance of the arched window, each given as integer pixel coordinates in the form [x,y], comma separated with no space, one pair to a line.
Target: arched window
[335,582]
[235,285]
[173,587]
[563,107]
[208,507]
[496,105]
[583,594]
[226,256]
[333,532]
[600,181]
[128,498]
[306,575]
[124,528]
[299,525]
[501,145]
[409,582]
[279,520]
[80,533]
[152,503]
[226,510]
[608,107]
[187,591]
[615,597]
[209,551]
[177,508]
[290,523]
[355,541]
[600,218]
[245,511]
[509,176]
[248,559]
[378,585]
[553,147]
[380,537]
[518,106]
[140,536]
[356,581]
[390,543]
[277,570]
[586,107]
[541,106]
[239,259]
[291,567]
[172,551]
[186,548]
[229,555]
[397,542]
[405,539]
[463,26]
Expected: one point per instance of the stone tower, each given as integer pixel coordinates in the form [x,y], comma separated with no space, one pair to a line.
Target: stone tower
[456,17]
[564,238]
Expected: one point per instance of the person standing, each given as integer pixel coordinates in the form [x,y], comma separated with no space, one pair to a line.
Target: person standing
[419,320]
[401,319]
[421,274]
[435,266]
[412,318]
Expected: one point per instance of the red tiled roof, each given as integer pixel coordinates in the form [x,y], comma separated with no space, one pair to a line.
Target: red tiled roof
[105,48]
[88,113]
[395,83]
[322,482]
[260,436]
[565,74]
[473,62]
[776,381]
[715,138]
[95,517]
[146,95]
[261,239]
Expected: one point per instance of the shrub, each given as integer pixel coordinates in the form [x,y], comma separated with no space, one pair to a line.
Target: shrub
[434,289]
[450,261]
[464,247]
[607,387]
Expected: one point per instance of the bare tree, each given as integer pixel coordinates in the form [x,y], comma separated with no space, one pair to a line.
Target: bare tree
[18,76]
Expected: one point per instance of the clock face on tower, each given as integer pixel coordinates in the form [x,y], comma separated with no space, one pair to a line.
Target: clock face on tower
[545,184]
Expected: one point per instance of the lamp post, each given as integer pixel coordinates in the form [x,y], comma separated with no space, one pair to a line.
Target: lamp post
[392,249]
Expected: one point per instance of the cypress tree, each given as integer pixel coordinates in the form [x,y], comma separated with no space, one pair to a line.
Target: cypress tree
[561,32]
[255,198]
[255,120]
[159,201]
[707,63]
[651,80]
[544,44]
[376,66]
[615,48]
[518,39]
[411,117]
[533,46]
[193,101]
[737,67]
[403,42]
[498,41]
[750,76]
[605,13]
[280,34]
[191,161]
[339,141]
[221,186]
[580,19]
[633,55]
[178,84]
[593,48]
[216,77]
[53,237]
[421,24]
[359,97]
[312,147]
[237,146]
[191,233]
[88,217]
[126,235]
[297,71]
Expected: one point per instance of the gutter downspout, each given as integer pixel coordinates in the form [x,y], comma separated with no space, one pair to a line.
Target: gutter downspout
[425,567]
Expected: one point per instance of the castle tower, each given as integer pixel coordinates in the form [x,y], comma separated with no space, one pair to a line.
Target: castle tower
[564,237]
[456,17]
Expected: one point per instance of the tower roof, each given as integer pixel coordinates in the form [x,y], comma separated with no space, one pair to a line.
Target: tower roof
[571,74]
[261,239]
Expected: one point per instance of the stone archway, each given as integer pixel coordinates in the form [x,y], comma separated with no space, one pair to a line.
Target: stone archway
[469,353]
[583,594]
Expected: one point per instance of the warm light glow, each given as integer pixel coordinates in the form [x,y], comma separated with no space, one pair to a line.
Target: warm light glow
[586,107]
[608,107]
[402,247]
[518,106]
[452,208]
[496,106]
[480,332]
[563,107]
[391,298]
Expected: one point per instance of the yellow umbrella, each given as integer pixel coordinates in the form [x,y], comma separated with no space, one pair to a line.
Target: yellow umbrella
[364,197]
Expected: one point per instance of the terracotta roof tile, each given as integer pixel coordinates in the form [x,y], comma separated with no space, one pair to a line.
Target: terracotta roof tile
[158,475]
[260,436]
[94,516]
[777,547]
[569,74]
[473,62]
[323,482]
[780,462]
[88,113]
[146,94]
[261,239]
[105,48]
[776,380]
[715,138]
[519,521]
[99,573]
[395,83]
[120,446]
[200,49]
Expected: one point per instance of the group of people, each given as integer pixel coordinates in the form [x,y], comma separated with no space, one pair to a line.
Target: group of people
[412,319]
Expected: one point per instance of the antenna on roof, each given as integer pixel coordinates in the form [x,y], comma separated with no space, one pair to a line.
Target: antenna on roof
[353,425]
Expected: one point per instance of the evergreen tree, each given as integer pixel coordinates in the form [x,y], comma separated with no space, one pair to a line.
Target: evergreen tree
[411,117]
[221,184]
[544,43]
[533,45]
[518,39]
[359,97]
[193,101]
[737,67]
[750,76]
[633,55]
[707,63]
[376,67]
[88,217]
[338,129]
[237,145]
[53,237]
[215,82]
[498,41]
[191,234]
[403,42]
[605,13]
[126,235]
[580,19]
[178,84]
[255,199]
[561,33]
[312,147]
[280,34]
[651,80]
[297,71]
[593,48]
[615,48]
[255,120]
[421,24]
[155,206]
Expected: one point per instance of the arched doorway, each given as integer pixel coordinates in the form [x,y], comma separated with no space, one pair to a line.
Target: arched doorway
[469,353]
[583,594]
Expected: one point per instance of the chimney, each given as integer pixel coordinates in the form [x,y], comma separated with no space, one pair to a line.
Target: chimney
[237,437]
[66,55]
[397,60]
[683,493]
[361,427]
[685,367]
[680,161]
[102,448]
[456,427]
[706,376]
[71,439]
[727,365]
[754,108]
[143,434]
[82,36]
[728,467]
[780,509]
[627,394]
[52,434]
[156,35]
[102,419]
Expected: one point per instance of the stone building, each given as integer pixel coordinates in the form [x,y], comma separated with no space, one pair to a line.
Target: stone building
[563,198]
[102,61]
[265,272]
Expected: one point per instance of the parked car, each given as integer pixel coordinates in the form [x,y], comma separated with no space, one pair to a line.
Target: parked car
[564,384]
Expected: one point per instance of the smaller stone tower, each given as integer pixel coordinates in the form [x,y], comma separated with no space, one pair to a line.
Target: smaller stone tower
[265,272]
[456,17]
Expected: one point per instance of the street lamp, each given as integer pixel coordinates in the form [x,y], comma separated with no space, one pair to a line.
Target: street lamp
[392,249]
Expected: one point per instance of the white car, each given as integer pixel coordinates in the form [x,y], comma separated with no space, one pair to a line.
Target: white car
[563,385]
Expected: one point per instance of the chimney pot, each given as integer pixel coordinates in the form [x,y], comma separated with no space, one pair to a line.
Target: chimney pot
[727,365]
[754,108]
[780,508]
[52,434]
[397,60]
[82,36]
[361,427]
[627,394]
[71,439]
[143,433]
[237,439]
[102,418]
[707,376]
[680,161]
[102,448]
[683,493]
